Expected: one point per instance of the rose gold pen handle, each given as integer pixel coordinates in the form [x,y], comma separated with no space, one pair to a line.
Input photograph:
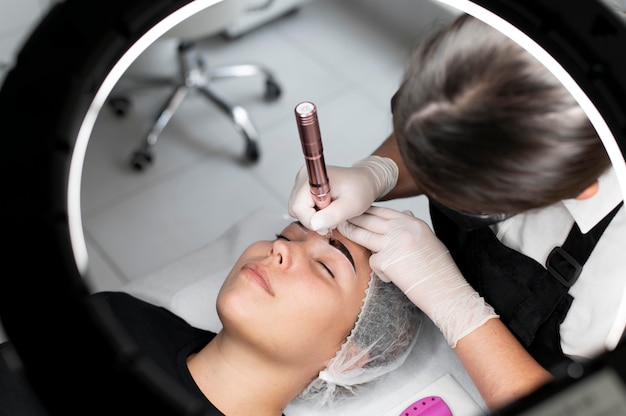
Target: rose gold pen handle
[311,140]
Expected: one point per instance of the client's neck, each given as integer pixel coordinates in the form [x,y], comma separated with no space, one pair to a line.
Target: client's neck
[235,377]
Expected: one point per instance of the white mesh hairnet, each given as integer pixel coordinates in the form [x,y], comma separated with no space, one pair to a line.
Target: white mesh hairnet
[385,331]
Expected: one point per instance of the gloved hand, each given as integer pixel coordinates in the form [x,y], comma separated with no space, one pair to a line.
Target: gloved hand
[407,252]
[352,191]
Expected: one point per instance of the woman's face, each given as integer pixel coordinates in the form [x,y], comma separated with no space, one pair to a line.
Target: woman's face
[296,297]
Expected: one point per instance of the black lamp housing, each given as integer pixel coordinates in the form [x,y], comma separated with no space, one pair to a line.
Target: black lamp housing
[72,349]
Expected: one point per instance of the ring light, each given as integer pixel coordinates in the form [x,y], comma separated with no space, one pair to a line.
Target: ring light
[586,74]
[73,351]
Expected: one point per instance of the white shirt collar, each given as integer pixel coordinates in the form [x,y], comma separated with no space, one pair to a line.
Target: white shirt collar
[588,212]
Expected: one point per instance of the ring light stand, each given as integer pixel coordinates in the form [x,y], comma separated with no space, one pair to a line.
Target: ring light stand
[73,351]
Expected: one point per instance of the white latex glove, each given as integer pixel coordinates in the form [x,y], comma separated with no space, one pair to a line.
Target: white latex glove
[408,253]
[352,191]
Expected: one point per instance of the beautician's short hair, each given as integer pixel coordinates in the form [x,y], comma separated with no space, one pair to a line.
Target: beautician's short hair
[485,128]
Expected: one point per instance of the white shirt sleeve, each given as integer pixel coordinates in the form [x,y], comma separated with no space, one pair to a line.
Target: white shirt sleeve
[597,316]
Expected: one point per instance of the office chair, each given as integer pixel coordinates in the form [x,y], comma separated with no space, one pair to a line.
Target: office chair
[195,75]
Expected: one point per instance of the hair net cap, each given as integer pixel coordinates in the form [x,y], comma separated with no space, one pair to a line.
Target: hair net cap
[383,336]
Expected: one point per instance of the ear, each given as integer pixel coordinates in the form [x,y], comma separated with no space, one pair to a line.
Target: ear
[590,191]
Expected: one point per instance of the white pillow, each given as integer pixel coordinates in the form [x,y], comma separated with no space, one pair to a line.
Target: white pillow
[188,286]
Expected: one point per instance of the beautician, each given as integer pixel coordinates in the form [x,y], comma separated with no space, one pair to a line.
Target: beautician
[525,273]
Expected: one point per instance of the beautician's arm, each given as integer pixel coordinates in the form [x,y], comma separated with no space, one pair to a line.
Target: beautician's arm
[499,366]
[406,186]
[407,253]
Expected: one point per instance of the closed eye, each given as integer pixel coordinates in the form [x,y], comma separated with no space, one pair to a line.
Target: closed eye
[282,237]
[327,269]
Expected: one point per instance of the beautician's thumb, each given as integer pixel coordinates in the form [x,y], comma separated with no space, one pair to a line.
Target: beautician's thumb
[323,221]
[328,218]
[356,234]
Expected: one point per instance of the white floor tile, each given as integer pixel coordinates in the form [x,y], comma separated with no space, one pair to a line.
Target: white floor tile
[102,273]
[165,221]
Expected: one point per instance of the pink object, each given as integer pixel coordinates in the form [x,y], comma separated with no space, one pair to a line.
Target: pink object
[311,139]
[428,406]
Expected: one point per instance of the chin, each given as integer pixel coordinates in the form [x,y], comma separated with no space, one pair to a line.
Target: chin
[237,308]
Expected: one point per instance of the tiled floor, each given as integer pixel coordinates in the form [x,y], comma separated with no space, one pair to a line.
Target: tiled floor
[339,54]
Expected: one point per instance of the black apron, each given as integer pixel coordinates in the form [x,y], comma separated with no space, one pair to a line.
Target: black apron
[532,300]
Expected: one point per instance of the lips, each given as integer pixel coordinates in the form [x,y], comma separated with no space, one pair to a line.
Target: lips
[258,275]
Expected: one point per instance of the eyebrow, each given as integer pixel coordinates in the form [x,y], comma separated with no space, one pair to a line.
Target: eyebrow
[334,243]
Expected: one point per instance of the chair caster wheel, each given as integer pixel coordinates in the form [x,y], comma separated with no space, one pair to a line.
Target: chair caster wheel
[141,159]
[252,152]
[119,105]
[272,90]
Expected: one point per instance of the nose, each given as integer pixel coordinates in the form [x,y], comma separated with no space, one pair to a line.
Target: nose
[282,253]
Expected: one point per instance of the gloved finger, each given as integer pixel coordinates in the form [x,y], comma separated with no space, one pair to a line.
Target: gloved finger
[322,231]
[388,213]
[372,223]
[376,262]
[303,212]
[339,210]
[381,276]
[372,241]
[301,205]
[380,219]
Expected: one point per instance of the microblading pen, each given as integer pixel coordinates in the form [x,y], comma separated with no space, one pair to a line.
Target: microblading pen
[311,139]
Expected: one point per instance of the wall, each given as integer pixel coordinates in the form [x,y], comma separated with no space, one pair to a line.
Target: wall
[410,20]
[17,19]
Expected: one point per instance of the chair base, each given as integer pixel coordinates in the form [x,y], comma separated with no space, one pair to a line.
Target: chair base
[196,76]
